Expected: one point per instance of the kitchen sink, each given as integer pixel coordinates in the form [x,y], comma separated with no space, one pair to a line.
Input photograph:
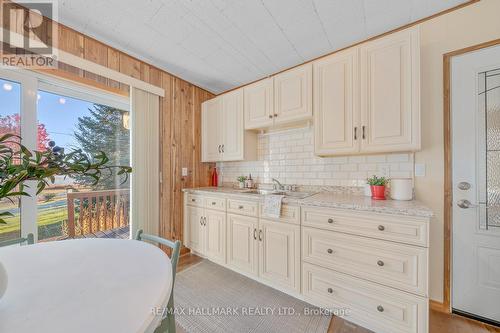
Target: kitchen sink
[297,195]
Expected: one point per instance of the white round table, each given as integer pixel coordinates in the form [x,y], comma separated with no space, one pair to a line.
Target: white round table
[84,285]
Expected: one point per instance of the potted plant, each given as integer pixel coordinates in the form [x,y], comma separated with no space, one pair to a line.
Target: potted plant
[241,181]
[377,186]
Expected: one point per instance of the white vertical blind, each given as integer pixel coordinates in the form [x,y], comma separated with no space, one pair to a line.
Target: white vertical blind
[145,200]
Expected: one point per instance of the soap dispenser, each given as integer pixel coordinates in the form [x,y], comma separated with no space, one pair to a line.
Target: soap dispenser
[249,181]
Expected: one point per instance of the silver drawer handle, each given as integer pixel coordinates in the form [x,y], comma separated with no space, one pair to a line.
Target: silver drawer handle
[380,263]
[193,200]
[330,290]
[380,308]
[240,207]
[330,221]
[381,228]
[329,251]
[213,203]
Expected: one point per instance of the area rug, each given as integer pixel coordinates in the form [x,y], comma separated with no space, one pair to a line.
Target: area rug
[210,298]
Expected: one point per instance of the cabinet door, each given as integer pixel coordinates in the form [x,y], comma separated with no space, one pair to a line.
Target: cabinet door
[390,93]
[259,107]
[242,243]
[336,103]
[232,126]
[211,117]
[196,229]
[293,95]
[215,232]
[279,254]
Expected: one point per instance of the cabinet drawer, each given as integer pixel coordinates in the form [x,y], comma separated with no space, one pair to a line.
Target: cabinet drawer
[249,208]
[370,305]
[398,228]
[394,265]
[194,200]
[289,214]
[215,203]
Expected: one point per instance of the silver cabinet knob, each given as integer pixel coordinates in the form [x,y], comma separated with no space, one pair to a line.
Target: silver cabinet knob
[270,116]
[464,186]
[330,290]
[464,203]
[381,228]
[330,221]
[380,263]
[330,251]
[380,308]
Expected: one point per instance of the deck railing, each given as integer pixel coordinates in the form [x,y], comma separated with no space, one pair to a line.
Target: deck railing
[90,212]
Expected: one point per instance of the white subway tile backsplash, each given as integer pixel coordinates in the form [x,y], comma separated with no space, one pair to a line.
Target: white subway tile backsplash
[289,157]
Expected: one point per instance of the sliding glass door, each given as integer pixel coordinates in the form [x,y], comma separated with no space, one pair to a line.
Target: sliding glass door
[73,118]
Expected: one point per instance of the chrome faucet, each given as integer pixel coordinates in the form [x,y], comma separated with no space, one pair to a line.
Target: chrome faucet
[277,185]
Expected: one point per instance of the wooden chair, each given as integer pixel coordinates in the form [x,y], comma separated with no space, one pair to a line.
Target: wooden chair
[168,323]
[29,240]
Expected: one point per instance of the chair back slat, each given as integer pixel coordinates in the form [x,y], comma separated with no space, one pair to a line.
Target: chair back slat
[29,240]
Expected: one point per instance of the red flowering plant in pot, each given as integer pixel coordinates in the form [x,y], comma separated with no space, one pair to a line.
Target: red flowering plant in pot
[377,186]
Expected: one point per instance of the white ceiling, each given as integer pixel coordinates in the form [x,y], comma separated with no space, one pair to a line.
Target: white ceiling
[221,44]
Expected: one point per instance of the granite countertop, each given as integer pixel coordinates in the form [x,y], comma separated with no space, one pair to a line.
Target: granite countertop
[333,199]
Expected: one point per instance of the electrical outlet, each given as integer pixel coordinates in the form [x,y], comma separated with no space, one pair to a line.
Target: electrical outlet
[184,172]
[419,170]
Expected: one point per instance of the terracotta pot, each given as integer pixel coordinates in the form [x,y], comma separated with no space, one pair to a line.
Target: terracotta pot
[378,192]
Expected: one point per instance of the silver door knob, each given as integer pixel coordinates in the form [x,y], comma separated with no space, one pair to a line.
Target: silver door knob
[464,203]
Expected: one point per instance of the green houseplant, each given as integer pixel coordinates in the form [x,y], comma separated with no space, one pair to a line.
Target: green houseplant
[241,181]
[377,186]
[19,165]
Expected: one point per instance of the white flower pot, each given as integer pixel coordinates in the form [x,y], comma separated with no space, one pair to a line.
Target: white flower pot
[3,280]
[241,184]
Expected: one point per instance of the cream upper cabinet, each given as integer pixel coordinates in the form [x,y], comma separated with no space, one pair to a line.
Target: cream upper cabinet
[279,254]
[390,92]
[211,118]
[232,126]
[215,235]
[336,103]
[293,95]
[223,135]
[259,104]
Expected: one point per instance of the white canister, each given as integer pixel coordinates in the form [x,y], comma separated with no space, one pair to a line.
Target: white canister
[401,188]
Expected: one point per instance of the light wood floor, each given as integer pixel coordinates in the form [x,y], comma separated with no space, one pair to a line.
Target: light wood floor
[439,322]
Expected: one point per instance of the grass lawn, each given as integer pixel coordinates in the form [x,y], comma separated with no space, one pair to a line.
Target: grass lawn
[45,217]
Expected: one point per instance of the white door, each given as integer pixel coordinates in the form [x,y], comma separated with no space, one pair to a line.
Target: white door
[211,136]
[336,104]
[259,104]
[242,246]
[390,93]
[279,254]
[293,95]
[196,228]
[232,126]
[215,232]
[475,113]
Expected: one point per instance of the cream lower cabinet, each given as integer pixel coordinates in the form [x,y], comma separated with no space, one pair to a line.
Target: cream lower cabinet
[215,235]
[242,246]
[279,254]
[205,231]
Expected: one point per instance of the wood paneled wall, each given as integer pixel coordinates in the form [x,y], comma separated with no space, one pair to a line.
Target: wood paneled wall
[180,118]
